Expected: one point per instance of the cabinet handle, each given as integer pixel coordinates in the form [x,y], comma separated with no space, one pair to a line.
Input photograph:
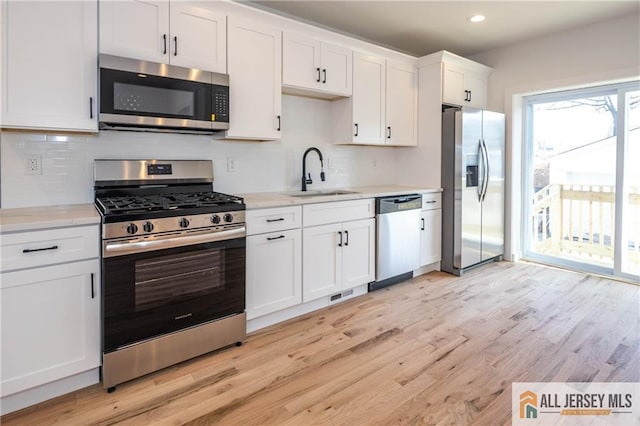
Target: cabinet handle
[40,249]
[175,46]
[430,202]
[346,234]
[389,132]
[93,288]
[275,238]
[469,95]
[164,41]
[91,107]
[318,70]
[324,75]
[356,134]
[422,227]
[279,123]
[280,219]
[340,243]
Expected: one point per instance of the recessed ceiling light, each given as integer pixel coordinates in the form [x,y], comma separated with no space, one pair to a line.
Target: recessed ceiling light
[477,18]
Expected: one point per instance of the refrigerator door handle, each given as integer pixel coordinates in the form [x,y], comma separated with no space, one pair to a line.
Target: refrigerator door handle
[480,161]
[485,179]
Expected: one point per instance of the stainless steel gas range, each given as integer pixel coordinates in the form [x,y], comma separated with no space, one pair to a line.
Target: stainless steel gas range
[173,265]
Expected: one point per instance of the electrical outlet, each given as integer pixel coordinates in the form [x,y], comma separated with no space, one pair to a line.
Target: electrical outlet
[33,165]
[232,165]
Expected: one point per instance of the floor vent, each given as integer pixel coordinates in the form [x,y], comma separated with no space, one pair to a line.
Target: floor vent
[338,296]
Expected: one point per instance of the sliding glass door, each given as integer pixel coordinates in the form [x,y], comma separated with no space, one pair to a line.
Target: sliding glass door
[582,183]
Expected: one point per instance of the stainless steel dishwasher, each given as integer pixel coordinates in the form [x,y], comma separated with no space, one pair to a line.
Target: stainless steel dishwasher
[398,239]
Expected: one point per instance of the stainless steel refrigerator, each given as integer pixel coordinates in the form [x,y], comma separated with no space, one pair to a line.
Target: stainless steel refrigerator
[473,183]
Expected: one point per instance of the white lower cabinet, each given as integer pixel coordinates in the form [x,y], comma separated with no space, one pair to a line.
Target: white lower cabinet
[273,272]
[274,260]
[50,314]
[50,324]
[337,256]
[431,235]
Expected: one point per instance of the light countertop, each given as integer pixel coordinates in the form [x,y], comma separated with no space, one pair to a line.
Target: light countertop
[261,200]
[34,218]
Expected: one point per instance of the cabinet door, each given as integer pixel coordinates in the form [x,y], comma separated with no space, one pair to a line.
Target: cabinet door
[430,238]
[321,261]
[254,63]
[50,324]
[368,99]
[336,73]
[402,104]
[274,277]
[135,29]
[198,38]
[358,253]
[301,61]
[453,87]
[475,84]
[49,65]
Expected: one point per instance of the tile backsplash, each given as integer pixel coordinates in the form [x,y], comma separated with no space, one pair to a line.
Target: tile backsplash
[67,160]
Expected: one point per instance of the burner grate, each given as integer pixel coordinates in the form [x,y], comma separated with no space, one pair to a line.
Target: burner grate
[160,202]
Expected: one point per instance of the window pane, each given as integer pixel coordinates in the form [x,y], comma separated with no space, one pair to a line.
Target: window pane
[574,178]
[630,255]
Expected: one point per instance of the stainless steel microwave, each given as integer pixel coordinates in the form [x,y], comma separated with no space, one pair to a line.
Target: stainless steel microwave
[148,96]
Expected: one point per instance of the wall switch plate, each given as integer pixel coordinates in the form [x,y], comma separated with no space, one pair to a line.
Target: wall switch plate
[232,165]
[33,164]
[330,164]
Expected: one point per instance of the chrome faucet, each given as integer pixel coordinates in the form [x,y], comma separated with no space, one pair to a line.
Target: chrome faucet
[307,180]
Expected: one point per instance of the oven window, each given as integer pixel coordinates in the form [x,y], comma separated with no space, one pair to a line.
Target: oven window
[169,279]
[157,100]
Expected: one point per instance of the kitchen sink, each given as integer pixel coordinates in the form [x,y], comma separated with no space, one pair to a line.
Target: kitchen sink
[325,193]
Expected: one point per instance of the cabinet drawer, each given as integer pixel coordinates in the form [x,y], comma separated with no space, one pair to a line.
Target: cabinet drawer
[432,201]
[270,220]
[31,249]
[340,211]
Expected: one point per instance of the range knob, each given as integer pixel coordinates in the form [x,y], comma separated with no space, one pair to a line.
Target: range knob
[228,217]
[148,227]
[215,219]
[132,228]
[184,222]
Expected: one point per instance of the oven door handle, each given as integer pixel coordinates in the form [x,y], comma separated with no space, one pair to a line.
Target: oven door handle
[122,248]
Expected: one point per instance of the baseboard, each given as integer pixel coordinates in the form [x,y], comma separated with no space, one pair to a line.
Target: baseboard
[29,397]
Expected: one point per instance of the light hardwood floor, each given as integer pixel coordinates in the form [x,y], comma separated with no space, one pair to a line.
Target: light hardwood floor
[434,350]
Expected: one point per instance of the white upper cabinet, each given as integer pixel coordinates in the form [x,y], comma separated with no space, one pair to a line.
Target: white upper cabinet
[402,104]
[186,34]
[384,107]
[49,65]
[255,73]
[314,67]
[369,99]
[199,37]
[464,82]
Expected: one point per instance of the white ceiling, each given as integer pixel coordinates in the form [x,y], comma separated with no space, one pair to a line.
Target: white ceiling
[423,27]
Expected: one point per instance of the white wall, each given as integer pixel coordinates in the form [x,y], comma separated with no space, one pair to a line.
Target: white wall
[604,52]
[67,176]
